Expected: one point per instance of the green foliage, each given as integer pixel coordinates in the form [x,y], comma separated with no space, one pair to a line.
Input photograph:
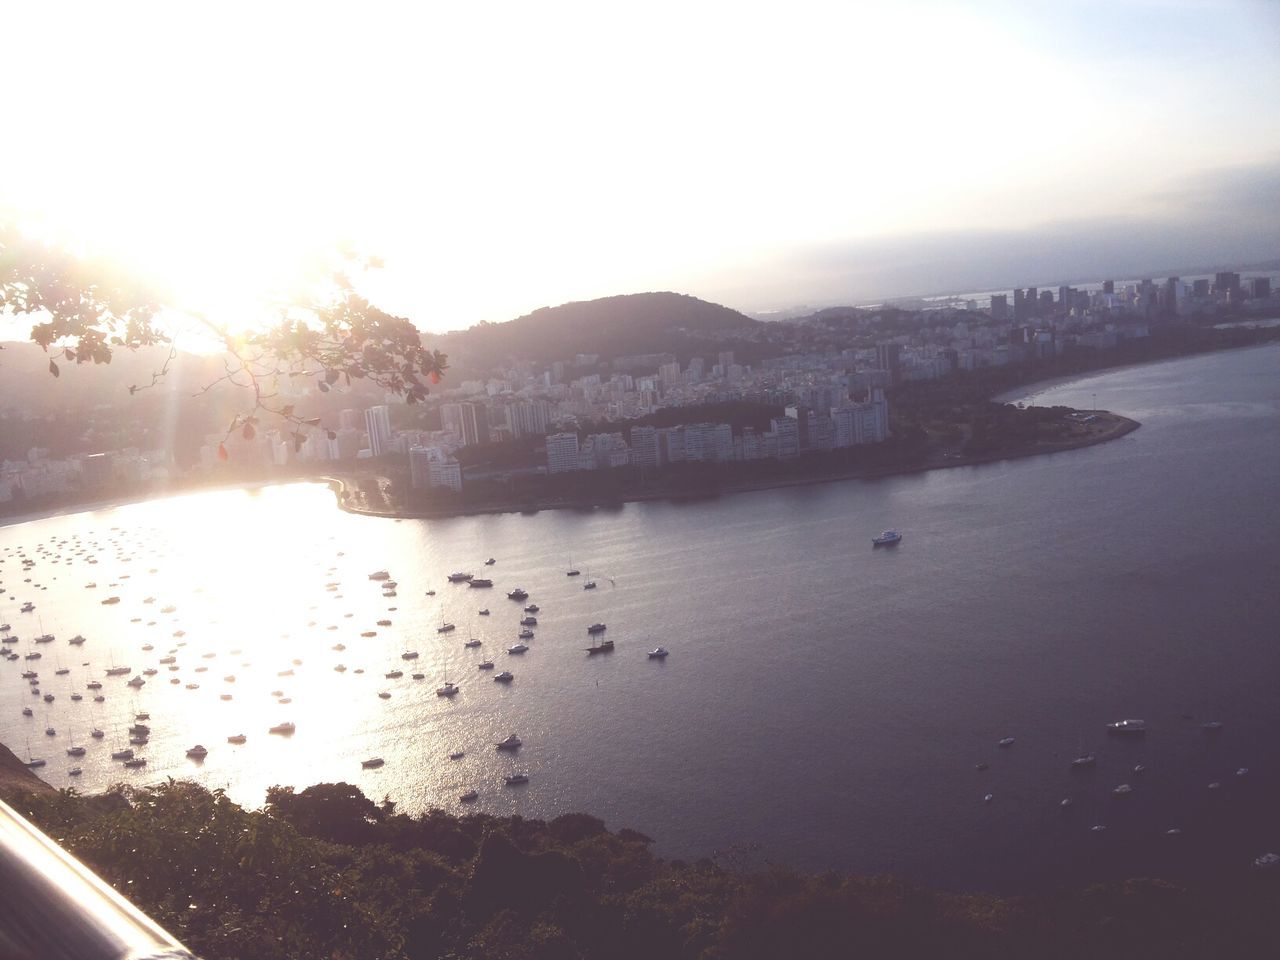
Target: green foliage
[281,882]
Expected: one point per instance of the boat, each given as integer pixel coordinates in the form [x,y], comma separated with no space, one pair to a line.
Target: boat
[198,752]
[445,628]
[658,653]
[136,682]
[32,656]
[506,676]
[486,665]
[75,751]
[372,764]
[511,742]
[480,582]
[75,771]
[518,648]
[596,628]
[27,712]
[136,762]
[1084,762]
[1212,726]
[518,594]
[96,733]
[484,612]
[45,638]
[431,593]
[1127,728]
[27,607]
[589,585]
[237,738]
[473,642]
[124,754]
[93,685]
[886,539]
[110,601]
[380,575]
[514,778]
[419,676]
[528,621]
[604,646]
[119,671]
[48,698]
[1005,742]
[35,762]
[1123,790]
[457,755]
[490,562]
[459,577]
[525,634]
[394,674]
[283,728]
[532,608]
[168,659]
[448,690]
[409,655]
[468,797]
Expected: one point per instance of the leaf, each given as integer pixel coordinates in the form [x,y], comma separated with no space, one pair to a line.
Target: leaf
[222,451]
[247,432]
[312,421]
[324,387]
[53,368]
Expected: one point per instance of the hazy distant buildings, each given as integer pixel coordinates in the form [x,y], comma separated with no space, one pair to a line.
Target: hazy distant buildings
[562,452]
[645,449]
[377,424]
[468,421]
[1000,306]
[529,417]
[889,359]
[432,467]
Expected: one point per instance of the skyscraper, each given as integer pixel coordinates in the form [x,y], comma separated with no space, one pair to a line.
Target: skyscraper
[889,359]
[999,306]
[562,452]
[377,423]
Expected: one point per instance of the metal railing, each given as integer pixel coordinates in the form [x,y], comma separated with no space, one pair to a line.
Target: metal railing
[53,907]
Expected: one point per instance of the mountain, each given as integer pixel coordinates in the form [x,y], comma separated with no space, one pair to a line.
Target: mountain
[637,323]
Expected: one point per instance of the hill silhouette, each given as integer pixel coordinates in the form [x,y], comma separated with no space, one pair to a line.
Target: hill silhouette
[637,323]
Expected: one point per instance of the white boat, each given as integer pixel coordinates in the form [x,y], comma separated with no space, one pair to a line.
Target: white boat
[525,634]
[75,751]
[518,648]
[198,752]
[96,733]
[1127,728]
[1084,762]
[1123,790]
[886,539]
[448,690]
[532,608]
[484,612]
[459,577]
[515,778]
[473,642]
[511,742]
[490,562]
[506,676]
[658,653]
[1005,742]
[518,594]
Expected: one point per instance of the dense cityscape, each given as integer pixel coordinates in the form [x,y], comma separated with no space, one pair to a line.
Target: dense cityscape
[827,373]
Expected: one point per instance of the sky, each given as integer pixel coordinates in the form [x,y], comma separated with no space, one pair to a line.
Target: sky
[500,157]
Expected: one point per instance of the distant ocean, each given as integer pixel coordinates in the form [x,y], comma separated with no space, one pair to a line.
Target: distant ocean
[824,704]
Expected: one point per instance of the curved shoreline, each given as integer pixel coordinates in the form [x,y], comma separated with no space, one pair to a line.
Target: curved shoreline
[1119,426]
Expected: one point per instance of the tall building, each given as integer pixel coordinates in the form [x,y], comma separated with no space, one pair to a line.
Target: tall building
[529,417]
[1259,287]
[889,359]
[645,450]
[1226,284]
[473,421]
[787,432]
[999,306]
[377,423]
[562,452]
[1108,286]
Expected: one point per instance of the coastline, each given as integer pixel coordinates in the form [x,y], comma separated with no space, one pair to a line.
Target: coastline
[1117,426]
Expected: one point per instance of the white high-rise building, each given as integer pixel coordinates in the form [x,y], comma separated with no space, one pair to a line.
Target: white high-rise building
[377,423]
[562,452]
[645,451]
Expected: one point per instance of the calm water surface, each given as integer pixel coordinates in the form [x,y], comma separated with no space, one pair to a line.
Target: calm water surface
[824,704]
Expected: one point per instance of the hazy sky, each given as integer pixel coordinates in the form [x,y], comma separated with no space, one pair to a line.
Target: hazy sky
[501,157]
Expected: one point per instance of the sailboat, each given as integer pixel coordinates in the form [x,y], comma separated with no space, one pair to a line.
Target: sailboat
[33,761]
[589,584]
[572,571]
